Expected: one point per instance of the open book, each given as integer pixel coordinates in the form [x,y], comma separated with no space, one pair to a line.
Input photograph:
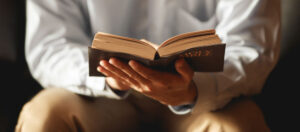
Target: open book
[203,50]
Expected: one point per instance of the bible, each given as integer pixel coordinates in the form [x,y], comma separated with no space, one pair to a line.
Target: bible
[202,50]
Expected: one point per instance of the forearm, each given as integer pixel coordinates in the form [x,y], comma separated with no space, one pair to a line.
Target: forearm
[57,38]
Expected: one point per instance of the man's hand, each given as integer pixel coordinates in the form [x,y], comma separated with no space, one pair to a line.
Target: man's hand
[167,88]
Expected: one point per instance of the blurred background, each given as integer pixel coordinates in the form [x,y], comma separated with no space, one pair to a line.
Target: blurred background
[278,99]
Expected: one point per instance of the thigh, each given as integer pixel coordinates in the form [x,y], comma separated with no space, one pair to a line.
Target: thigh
[60,110]
[242,115]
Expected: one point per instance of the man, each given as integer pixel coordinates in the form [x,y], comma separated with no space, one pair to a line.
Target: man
[59,31]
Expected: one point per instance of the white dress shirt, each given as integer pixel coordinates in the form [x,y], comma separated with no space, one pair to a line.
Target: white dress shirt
[59,32]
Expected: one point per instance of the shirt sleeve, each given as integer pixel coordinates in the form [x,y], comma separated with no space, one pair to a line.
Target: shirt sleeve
[250,29]
[57,37]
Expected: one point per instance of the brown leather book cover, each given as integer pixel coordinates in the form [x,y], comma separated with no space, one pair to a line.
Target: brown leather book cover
[201,59]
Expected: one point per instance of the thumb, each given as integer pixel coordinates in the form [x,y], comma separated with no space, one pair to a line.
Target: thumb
[183,68]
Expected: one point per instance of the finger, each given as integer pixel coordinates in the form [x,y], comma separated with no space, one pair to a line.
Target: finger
[117,72]
[130,72]
[113,69]
[112,75]
[107,73]
[116,84]
[143,71]
[183,68]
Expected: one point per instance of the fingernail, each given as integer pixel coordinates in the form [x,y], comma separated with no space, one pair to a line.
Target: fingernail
[99,69]
[131,63]
[110,61]
[102,63]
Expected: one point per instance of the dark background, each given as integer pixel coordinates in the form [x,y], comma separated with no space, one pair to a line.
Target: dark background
[278,99]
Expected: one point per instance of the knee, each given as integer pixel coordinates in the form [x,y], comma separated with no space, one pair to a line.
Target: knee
[49,101]
[210,122]
[46,107]
[241,116]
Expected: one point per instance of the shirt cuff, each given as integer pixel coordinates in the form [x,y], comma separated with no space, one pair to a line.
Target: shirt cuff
[97,87]
[182,109]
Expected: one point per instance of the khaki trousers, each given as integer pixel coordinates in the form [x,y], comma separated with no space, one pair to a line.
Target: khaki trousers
[58,110]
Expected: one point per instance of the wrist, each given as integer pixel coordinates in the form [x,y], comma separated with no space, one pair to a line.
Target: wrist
[188,96]
[191,93]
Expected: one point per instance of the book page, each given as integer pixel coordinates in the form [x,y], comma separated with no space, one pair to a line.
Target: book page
[102,34]
[187,35]
[150,43]
[188,43]
[119,44]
